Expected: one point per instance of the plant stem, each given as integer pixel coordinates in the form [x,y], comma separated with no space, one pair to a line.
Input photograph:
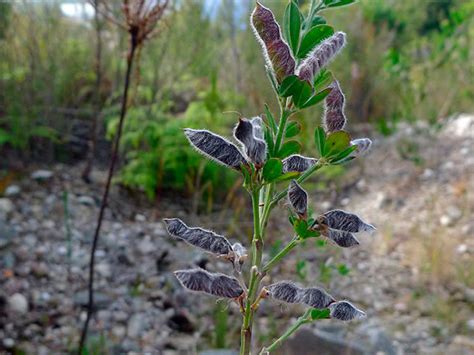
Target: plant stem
[301,320]
[281,129]
[280,255]
[123,111]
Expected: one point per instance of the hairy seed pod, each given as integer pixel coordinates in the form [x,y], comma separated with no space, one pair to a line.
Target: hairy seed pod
[334,118]
[345,311]
[343,239]
[239,250]
[345,221]
[320,56]
[297,163]
[249,133]
[287,291]
[276,51]
[219,285]
[363,146]
[198,237]
[215,147]
[298,198]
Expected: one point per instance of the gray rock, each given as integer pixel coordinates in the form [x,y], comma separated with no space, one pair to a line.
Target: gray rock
[18,303]
[6,235]
[101,300]
[135,325]
[8,343]
[86,200]
[12,190]
[6,207]
[42,174]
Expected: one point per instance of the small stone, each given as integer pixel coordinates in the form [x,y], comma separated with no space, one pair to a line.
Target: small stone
[8,343]
[12,190]
[461,249]
[146,246]
[140,218]
[86,200]
[42,175]
[454,213]
[39,270]
[445,220]
[345,201]
[470,324]
[135,325]
[18,303]
[6,206]
[104,269]
[119,331]
[427,174]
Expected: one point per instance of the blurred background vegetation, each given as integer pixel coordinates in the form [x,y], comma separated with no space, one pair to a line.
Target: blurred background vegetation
[61,70]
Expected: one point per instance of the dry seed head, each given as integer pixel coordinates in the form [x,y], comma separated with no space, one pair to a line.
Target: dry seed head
[141,17]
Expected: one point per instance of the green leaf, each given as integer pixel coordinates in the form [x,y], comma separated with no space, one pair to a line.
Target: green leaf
[271,120]
[290,85]
[320,314]
[246,174]
[292,25]
[336,142]
[314,37]
[5,137]
[342,156]
[301,227]
[269,140]
[318,20]
[303,95]
[324,78]
[292,129]
[289,148]
[44,132]
[316,98]
[337,3]
[320,140]
[288,176]
[272,169]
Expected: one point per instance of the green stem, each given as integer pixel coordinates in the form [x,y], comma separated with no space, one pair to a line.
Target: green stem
[281,129]
[302,320]
[280,255]
[257,241]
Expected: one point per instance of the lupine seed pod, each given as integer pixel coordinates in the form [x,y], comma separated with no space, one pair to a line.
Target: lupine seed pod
[363,146]
[320,56]
[276,51]
[249,133]
[334,118]
[219,285]
[343,239]
[198,237]
[298,198]
[345,221]
[215,147]
[345,311]
[287,291]
[297,163]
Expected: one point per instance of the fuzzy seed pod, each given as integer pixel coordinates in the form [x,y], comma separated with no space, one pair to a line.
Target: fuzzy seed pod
[334,118]
[345,311]
[297,163]
[198,237]
[339,226]
[363,146]
[298,198]
[288,292]
[343,239]
[320,56]
[219,285]
[276,51]
[345,221]
[215,147]
[250,134]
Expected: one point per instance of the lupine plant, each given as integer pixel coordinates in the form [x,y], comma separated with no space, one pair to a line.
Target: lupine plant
[272,169]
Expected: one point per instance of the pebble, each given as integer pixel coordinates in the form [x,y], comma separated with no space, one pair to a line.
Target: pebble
[42,175]
[6,206]
[135,325]
[18,303]
[8,343]
[12,190]
[86,200]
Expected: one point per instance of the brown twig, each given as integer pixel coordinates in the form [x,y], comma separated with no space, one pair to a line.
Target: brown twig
[90,305]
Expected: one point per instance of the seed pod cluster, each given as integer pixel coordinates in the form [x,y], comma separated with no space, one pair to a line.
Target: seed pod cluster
[276,51]
[287,291]
[334,118]
[363,146]
[297,163]
[215,284]
[320,56]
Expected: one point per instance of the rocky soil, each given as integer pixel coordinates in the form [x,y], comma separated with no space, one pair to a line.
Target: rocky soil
[414,276]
